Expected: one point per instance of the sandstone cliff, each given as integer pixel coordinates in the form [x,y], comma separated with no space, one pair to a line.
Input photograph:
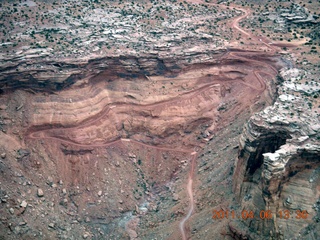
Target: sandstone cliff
[278,163]
[34,72]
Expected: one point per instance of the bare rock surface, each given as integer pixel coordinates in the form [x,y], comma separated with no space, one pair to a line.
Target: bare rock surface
[279,158]
[121,119]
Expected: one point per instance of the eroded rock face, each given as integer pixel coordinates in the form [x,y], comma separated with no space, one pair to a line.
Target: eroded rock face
[278,163]
[118,142]
[99,39]
[57,74]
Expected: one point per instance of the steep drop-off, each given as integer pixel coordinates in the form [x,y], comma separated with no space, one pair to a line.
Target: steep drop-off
[112,145]
[278,166]
[123,123]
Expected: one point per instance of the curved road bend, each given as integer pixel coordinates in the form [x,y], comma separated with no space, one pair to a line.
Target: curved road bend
[194,154]
[235,24]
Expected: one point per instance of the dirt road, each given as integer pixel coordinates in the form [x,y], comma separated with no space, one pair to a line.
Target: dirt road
[42,132]
[235,25]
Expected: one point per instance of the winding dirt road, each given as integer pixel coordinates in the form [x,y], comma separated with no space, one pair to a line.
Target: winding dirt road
[235,25]
[190,193]
[33,133]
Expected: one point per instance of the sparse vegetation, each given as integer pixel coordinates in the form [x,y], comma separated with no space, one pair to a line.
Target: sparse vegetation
[122,25]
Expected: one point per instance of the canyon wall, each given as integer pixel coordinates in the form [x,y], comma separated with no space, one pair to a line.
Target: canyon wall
[31,70]
[278,165]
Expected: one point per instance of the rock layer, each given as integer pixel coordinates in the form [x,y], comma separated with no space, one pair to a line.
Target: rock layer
[119,142]
[53,74]
[278,163]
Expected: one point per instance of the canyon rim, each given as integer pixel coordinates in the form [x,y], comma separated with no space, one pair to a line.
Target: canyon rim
[159,119]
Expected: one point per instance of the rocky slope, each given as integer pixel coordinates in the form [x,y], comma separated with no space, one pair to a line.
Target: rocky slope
[100,156]
[107,110]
